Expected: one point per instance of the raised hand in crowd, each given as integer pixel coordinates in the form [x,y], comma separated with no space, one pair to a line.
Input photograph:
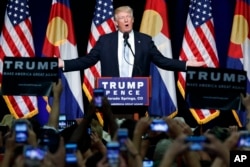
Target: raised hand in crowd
[177,147]
[233,128]
[141,128]
[135,159]
[21,133]
[49,159]
[17,142]
[246,103]
[80,160]
[58,158]
[82,138]
[174,129]
[221,150]
[96,143]
[10,146]
[103,162]
[179,128]
[57,89]
[186,129]
[108,116]
[81,131]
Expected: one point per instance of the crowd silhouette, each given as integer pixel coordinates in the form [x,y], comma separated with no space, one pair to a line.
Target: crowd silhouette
[149,141]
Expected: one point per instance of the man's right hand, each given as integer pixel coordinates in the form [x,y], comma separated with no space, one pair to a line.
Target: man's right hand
[60,63]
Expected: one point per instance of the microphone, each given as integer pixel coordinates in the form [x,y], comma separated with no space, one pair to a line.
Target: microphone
[125,37]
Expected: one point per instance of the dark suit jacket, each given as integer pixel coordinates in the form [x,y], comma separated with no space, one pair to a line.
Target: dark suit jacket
[105,50]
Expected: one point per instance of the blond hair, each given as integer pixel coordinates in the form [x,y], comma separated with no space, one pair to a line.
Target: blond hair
[7,120]
[127,9]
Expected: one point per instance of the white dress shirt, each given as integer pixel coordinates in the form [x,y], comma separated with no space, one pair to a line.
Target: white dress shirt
[130,60]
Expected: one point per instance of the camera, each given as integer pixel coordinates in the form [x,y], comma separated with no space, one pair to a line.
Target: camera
[159,125]
[244,140]
[89,131]
[62,122]
[113,151]
[122,135]
[21,132]
[98,95]
[34,153]
[71,149]
[196,142]
[148,163]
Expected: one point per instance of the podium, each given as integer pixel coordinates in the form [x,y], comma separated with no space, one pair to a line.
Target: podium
[128,96]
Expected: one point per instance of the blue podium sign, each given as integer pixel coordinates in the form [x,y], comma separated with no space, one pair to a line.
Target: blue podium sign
[125,91]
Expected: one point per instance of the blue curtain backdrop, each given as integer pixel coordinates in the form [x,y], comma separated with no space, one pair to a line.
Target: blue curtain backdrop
[82,11]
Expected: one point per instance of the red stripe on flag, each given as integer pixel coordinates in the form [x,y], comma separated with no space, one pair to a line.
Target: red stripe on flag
[182,81]
[111,25]
[16,107]
[183,55]
[29,25]
[25,41]
[92,40]
[101,30]
[2,54]
[207,45]
[28,103]
[193,47]
[10,42]
[200,114]
[95,72]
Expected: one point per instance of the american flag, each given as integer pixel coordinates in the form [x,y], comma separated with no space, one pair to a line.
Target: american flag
[239,47]
[16,40]
[102,23]
[198,42]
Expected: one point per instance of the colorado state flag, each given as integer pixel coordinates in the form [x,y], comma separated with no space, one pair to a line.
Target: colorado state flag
[155,23]
[239,47]
[60,42]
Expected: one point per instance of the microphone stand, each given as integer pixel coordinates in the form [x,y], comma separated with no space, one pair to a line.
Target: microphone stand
[126,36]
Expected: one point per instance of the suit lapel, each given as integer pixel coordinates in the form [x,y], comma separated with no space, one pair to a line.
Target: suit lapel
[114,54]
[137,54]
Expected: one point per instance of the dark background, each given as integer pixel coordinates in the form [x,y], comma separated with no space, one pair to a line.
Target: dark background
[82,12]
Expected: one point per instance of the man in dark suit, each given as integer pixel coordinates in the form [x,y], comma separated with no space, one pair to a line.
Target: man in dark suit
[109,51]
